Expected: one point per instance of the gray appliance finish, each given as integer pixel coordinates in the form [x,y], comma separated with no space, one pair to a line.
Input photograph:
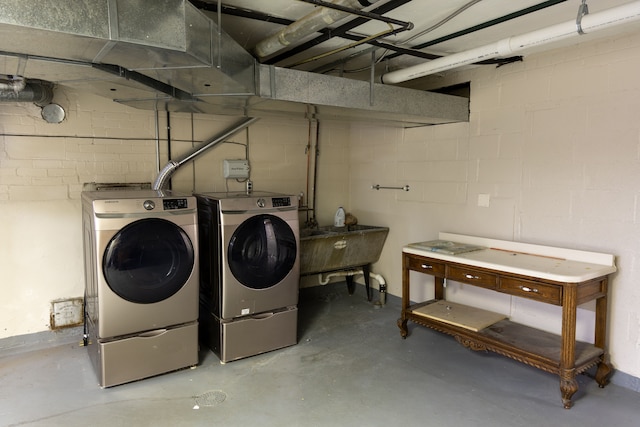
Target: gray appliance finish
[141,283]
[250,272]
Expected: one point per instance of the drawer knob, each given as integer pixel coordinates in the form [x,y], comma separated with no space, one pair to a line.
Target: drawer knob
[426,266]
[528,289]
[469,276]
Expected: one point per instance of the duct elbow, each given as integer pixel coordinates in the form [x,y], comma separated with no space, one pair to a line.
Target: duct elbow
[164,175]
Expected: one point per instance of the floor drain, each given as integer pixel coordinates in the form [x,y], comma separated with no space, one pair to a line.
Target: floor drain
[211,398]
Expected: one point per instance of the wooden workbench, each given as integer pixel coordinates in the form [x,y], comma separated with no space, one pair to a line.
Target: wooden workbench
[562,277]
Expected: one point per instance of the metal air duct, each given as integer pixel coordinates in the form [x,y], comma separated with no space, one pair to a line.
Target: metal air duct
[168,56]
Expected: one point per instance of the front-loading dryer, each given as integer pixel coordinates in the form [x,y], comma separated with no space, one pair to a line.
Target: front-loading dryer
[141,286]
[250,272]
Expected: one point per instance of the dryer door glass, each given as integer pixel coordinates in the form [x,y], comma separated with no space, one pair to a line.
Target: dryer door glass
[148,261]
[262,251]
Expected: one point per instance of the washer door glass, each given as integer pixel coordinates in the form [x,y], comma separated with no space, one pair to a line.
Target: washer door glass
[262,251]
[148,261]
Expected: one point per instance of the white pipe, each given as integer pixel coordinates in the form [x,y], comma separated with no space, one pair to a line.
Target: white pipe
[590,23]
[382,288]
[315,21]
[327,278]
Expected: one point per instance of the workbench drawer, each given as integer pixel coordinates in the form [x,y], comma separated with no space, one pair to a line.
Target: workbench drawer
[544,292]
[426,266]
[472,277]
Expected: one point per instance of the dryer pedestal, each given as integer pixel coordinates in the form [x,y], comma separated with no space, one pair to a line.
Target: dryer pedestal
[145,355]
[248,336]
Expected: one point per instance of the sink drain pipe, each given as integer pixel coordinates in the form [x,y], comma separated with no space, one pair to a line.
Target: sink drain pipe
[324,280]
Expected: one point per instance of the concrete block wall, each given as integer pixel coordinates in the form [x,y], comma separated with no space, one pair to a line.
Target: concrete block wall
[43,161]
[553,145]
[43,168]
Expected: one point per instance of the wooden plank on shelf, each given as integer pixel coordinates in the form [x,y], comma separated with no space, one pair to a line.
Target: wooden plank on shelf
[535,341]
[472,318]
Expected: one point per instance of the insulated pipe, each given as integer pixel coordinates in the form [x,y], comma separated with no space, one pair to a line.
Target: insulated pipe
[172,165]
[15,84]
[320,18]
[39,94]
[588,23]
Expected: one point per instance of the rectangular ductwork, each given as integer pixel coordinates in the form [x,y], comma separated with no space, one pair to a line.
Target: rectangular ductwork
[168,55]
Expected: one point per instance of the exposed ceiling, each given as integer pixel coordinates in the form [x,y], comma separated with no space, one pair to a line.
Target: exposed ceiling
[221,57]
[439,28]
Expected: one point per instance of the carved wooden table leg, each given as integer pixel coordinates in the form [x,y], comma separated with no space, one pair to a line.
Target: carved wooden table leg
[568,383]
[402,321]
[604,367]
[402,324]
[603,373]
[568,387]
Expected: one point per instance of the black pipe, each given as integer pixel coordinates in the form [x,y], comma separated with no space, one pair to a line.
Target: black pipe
[369,15]
[342,30]
[328,33]
[315,172]
[486,24]
[243,13]
[169,143]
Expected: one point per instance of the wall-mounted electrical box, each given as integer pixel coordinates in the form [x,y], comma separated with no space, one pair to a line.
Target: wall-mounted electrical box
[66,313]
[236,168]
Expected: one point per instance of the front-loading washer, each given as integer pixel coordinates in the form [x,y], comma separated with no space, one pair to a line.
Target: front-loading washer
[250,272]
[141,283]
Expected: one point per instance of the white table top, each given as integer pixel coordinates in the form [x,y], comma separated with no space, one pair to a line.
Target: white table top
[545,262]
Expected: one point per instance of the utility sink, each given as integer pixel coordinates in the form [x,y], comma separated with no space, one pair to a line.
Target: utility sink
[330,248]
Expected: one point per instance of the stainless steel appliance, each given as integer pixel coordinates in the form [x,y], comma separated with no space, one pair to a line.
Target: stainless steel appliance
[250,272]
[141,283]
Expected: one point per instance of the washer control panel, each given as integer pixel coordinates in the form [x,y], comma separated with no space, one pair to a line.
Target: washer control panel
[281,202]
[172,204]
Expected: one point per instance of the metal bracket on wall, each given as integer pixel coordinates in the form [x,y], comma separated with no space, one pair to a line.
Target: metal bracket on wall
[583,10]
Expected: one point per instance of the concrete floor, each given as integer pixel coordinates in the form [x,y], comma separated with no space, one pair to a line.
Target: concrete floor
[350,368]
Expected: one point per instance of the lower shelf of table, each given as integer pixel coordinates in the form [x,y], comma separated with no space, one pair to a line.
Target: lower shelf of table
[529,345]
